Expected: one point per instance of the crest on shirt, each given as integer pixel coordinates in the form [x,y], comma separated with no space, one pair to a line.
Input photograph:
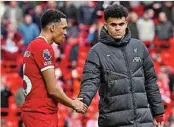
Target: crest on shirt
[46,54]
[27,54]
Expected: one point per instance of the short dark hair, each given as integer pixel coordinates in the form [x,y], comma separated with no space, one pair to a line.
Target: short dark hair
[51,16]
[115,11]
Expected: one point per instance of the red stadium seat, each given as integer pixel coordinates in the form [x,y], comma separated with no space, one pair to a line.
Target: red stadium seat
[139,9]
[13,81]
[9,66]
[166,57]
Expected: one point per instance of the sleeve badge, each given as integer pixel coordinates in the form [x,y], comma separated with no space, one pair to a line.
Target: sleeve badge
[46,54]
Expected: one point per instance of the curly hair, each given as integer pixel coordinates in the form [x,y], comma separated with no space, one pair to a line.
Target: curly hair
[51,16]
[115,11]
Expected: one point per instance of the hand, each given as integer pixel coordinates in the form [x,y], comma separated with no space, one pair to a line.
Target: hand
[79,106]
[158,124]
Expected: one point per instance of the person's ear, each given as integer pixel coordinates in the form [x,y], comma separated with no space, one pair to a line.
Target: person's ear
[52,27]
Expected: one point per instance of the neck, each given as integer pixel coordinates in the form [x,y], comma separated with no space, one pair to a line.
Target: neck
[46,37]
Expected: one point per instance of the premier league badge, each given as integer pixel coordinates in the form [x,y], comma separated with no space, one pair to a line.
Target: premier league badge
[46,54]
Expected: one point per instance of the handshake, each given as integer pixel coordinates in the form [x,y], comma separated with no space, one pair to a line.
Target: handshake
[79,106]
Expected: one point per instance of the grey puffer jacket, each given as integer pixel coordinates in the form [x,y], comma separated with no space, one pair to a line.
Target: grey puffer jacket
[124,74]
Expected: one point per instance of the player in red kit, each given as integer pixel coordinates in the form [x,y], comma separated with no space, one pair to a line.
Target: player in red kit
[41,92]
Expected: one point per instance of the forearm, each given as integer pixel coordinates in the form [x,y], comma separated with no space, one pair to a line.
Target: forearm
[59,96]
[154,99]
[152,89]
[89,86]
[88,94]
[54,90]
[91,78]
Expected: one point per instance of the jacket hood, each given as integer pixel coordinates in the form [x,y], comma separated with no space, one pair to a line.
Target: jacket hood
[108,40]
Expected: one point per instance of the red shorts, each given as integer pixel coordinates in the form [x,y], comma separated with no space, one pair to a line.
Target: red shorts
[31,119]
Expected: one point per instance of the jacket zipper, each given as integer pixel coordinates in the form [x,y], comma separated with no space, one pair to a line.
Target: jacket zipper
[130,80]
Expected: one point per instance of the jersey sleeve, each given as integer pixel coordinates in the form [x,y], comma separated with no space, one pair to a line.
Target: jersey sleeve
[44,58]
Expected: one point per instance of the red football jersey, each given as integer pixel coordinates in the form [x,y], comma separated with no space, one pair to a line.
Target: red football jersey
[38,57]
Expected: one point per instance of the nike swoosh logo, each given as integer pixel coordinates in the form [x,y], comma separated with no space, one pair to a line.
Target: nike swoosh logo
[109,55]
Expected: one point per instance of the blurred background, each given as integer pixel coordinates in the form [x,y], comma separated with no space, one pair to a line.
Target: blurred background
[151,22]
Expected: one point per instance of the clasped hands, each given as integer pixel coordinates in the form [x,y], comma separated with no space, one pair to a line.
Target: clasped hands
[79,106]
[158,124]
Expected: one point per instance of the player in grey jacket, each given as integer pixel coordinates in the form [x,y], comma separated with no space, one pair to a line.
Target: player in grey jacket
[121,69]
